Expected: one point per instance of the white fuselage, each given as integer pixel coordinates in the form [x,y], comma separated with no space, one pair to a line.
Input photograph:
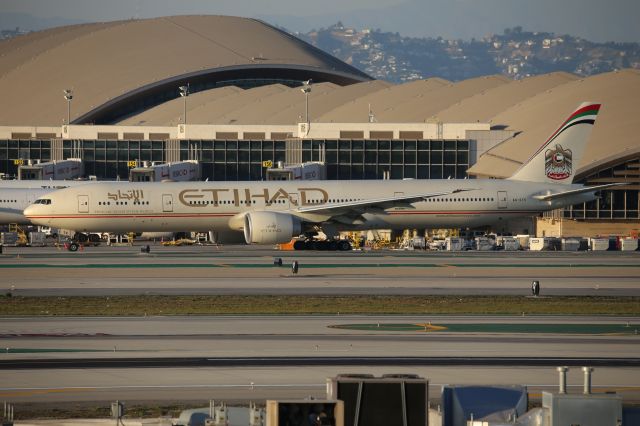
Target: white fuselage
[216,206]
[13,201]
[17,195]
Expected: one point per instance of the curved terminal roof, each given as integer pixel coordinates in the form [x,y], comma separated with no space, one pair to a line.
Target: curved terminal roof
[118,67]
[614,135]
[170,113]
[250,112]
[274,104]
[357,110]
[483,106]
[425,106]
[212,111]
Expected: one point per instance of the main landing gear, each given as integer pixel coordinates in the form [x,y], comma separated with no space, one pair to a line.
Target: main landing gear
[325,245]
[80,239]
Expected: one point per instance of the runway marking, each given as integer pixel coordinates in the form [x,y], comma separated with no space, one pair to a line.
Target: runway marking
[597,329]
[32,391]
[26,391]
[9,392]
[53,350]
[309,265]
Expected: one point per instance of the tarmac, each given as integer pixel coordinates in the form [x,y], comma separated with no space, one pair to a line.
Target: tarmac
[243,270]
[71,359]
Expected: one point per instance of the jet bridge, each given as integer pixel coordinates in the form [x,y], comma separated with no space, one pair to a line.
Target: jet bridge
[157,172]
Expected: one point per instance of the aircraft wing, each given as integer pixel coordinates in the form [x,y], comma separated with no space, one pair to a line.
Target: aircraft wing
[550,197]
[360,206]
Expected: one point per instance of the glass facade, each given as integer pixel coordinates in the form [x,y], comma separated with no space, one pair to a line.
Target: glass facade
[242,159]
[622,202]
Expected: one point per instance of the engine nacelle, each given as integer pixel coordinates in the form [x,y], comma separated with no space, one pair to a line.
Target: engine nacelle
[270,227]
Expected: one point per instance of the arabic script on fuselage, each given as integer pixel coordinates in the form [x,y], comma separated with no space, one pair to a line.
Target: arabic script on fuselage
[132,194]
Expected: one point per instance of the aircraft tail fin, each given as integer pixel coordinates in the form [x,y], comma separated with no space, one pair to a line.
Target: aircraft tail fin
[556,160]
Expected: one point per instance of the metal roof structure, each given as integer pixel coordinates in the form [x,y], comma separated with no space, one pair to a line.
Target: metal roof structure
[425,107]
[357,110]
[614,137]
[121,67]
[274,104]
[486,104]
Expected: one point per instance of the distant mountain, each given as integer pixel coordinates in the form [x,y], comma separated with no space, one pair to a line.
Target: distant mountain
[515,53]
[612,20]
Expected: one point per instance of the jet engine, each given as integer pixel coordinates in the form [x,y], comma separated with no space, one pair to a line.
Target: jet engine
[270,227]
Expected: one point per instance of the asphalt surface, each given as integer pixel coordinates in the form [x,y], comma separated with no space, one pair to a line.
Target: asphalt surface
[177,358]
[258,357]
[208,270]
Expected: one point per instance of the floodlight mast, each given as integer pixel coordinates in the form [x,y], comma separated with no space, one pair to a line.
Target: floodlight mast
[184,92]
[68,95]
[306,89]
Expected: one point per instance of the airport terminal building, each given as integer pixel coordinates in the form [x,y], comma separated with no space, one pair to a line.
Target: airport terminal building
[236,94]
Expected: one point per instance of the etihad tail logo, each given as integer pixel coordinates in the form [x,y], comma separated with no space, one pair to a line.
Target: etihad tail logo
[558,163]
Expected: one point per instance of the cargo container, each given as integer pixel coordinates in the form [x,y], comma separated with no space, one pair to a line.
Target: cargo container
[485,243]
[544,243]
[508,243]
[419,243]
[523,240]
[629,244]
[454,244]
[9,239]
[599,244]
[37,239]
[570,244]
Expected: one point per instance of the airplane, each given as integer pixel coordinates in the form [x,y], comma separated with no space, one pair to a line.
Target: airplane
[17,195]
[276,211]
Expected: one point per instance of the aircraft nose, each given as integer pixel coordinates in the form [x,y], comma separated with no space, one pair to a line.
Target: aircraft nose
[31,210]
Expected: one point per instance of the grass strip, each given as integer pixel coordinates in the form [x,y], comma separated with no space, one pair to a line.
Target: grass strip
[231,304]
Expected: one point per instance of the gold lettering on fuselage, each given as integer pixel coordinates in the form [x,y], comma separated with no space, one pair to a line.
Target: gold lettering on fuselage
[214,194]
[190,195]
[236,198]
[306,192]
[264,195]
[281,194]
[206,197]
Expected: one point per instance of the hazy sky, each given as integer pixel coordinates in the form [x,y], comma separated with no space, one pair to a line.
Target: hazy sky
[597,20]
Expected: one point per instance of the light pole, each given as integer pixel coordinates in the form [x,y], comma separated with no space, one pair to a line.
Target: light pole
[68,95]
[184,92]
[306,89]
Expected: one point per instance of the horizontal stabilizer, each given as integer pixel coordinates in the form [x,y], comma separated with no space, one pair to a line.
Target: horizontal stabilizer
[550,197]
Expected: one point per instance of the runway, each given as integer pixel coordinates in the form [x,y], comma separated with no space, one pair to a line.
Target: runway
[257,384]
[167,358]
[289,356]
[110,271]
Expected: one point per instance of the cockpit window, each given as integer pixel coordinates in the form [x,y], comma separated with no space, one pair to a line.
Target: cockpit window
[43,201]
